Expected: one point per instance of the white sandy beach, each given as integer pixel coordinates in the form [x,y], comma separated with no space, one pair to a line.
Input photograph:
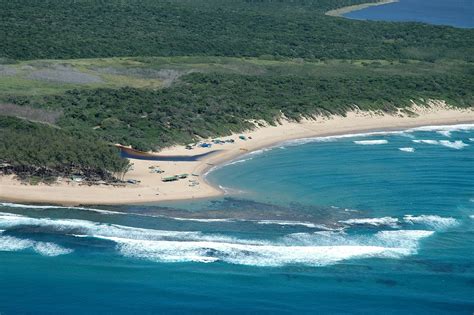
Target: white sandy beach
[152,189]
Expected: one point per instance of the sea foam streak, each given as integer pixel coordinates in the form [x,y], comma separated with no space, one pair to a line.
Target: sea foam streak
[370,142]
[388,221]
[407,149]
[433,221]
[294,223]
[319,248]
[338,137]
[202,220]
[254,255]
[450,128]
[458,144]
[18,205]
[446,133]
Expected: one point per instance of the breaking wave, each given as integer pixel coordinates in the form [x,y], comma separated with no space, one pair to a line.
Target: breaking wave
[450,128]
[337,137]
[18,205]
[407,149]
[446,133]
[315,249]
[385,221]
[458,144]
[295,223]
[254,255]
[433,221]
[10,244]
[371,142]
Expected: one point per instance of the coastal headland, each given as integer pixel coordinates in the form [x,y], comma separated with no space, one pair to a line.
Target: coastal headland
[148,186]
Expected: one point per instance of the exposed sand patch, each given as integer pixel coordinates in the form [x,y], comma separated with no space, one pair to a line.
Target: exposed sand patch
[152,189]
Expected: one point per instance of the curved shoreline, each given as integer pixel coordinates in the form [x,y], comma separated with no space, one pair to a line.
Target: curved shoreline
[344,10]
[151,189]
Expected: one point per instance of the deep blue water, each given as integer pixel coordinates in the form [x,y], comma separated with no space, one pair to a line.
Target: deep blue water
[327,225]
[458,13]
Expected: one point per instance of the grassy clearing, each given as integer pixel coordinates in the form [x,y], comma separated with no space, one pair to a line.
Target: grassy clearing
[157,72]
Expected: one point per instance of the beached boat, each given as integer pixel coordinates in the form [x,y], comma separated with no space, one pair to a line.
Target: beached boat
[170,179]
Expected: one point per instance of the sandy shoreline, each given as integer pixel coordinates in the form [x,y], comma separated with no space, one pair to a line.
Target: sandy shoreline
[344,10]
[152,189]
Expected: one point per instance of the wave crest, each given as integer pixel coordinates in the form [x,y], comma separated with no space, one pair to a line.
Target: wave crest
[315,249]
[10,244]
[433,221]
[388,221]
[370,142]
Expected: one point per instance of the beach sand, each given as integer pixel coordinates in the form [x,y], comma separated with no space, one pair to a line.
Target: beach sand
[152,189]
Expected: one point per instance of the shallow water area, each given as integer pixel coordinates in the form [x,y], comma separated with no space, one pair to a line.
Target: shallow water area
[350,224]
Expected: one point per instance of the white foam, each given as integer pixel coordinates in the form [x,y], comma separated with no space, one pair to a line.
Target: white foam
[18,205]
[387,221]
[471,139]
[230,191]
[397,238]
[239,161]
[255,255]
[427,141]
[371,142]
[260,151]
[295,223]
[50,249]
[403,238]
[407,149]
[9,244]
[203,220]
[319,248]
[451,128]
[453,144]
[446,133]
[433,221]
[83,227]
[458,144]
[337,137]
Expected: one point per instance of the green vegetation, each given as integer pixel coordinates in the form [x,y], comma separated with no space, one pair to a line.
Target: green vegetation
[219,102]
[156,72]
[29,149]
[66,29]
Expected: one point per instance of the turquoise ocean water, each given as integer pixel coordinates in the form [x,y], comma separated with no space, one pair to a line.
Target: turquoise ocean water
[457,13]
[371,223]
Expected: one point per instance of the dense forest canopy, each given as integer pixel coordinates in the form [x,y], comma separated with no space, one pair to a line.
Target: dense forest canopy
[37,149]
[85,29]
[205,105]
[200,68]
